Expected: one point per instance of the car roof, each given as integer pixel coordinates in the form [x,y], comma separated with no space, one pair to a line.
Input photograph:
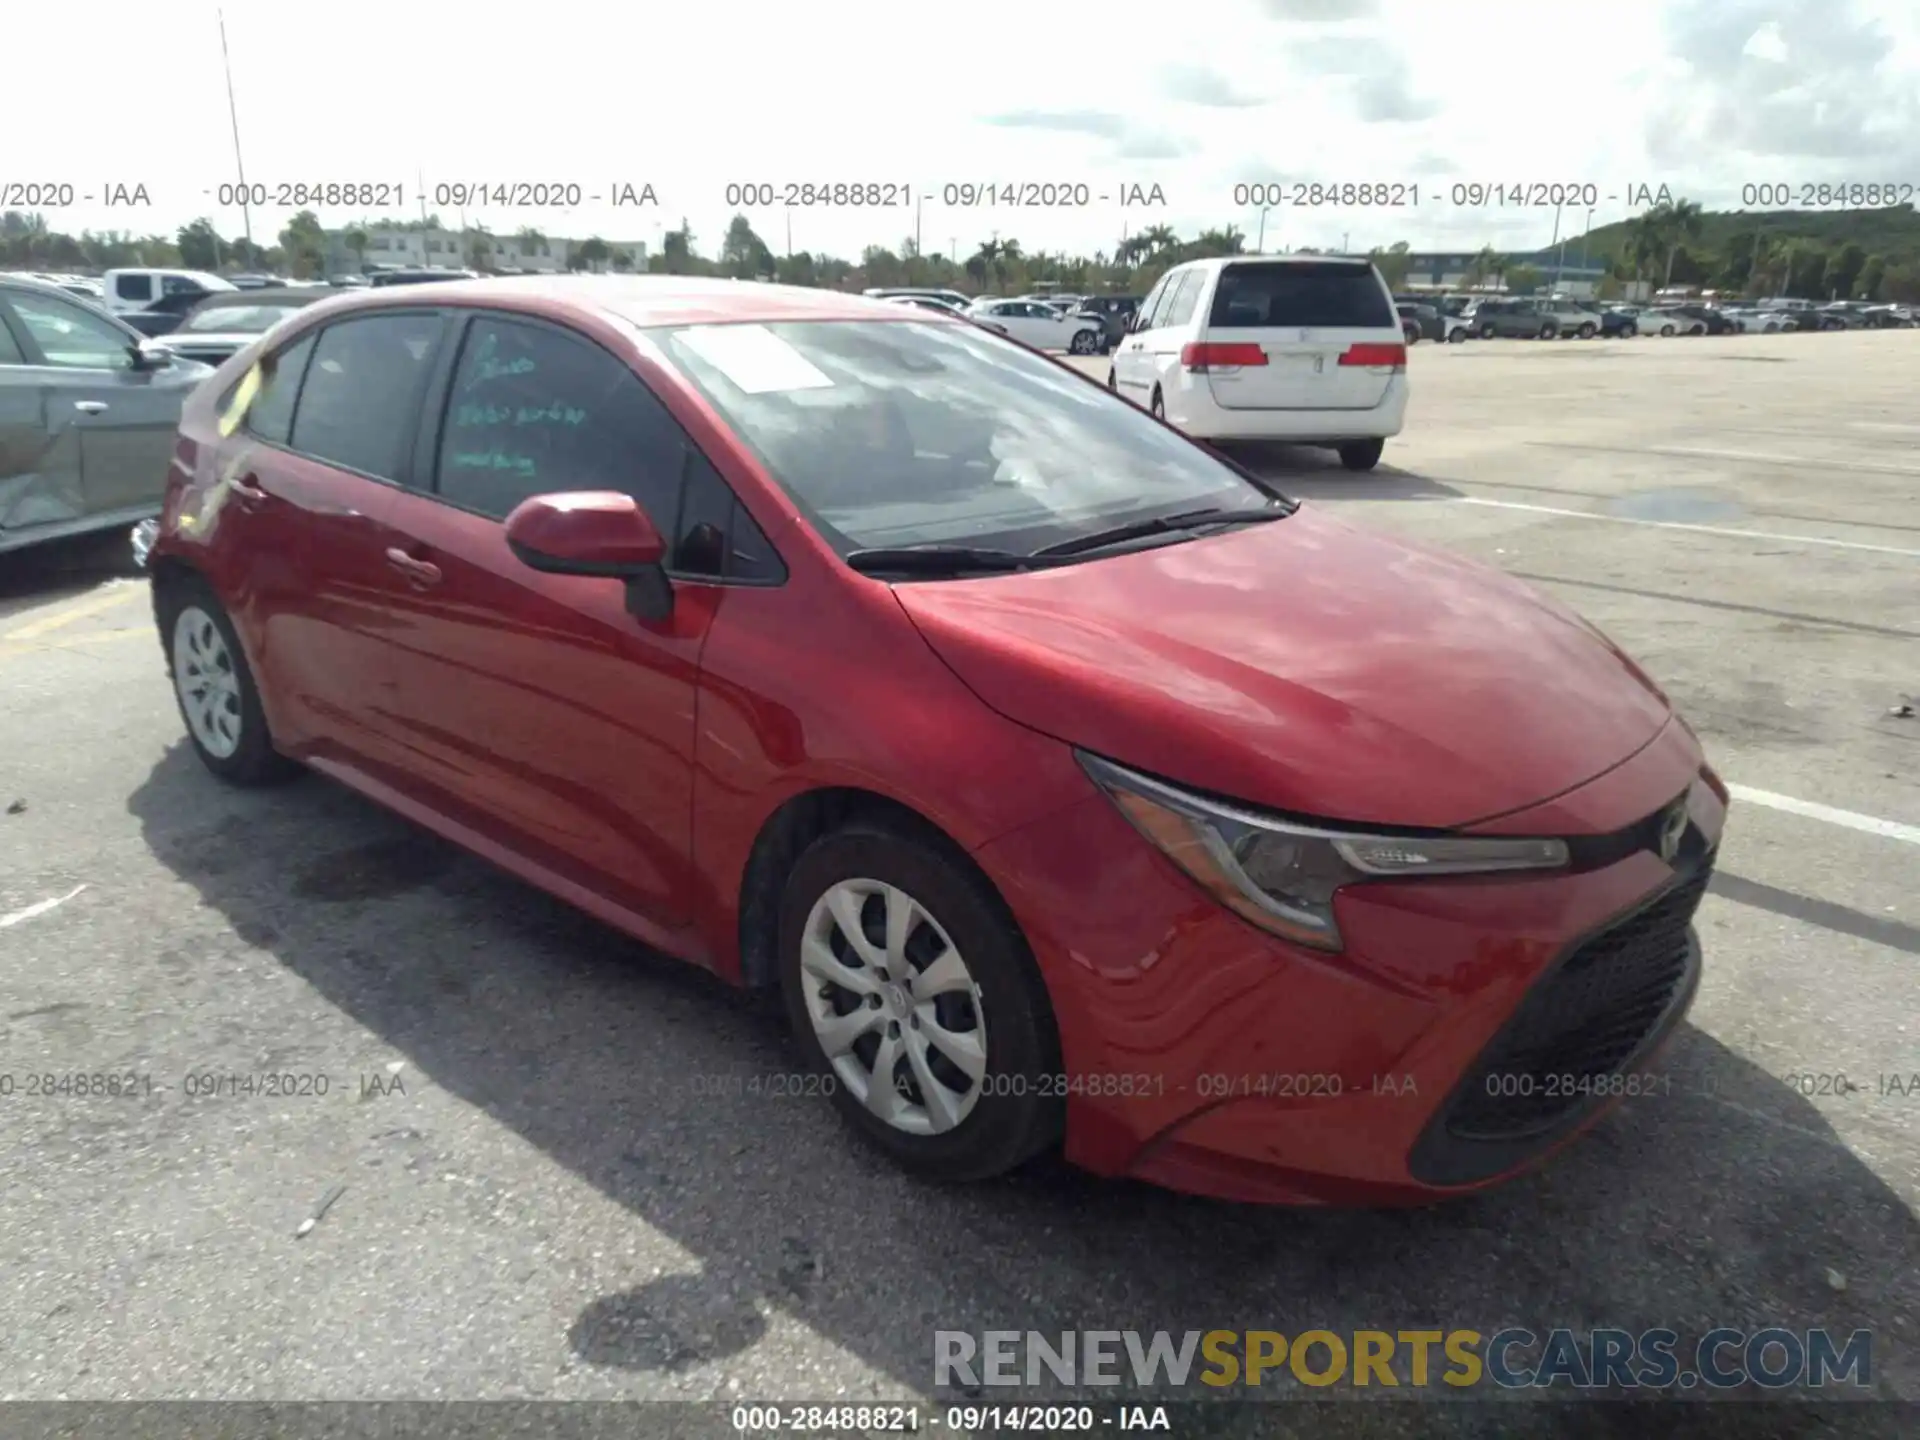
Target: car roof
[642,300]
[288,295]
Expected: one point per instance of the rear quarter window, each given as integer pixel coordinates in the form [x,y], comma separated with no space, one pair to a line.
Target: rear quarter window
[1330,295]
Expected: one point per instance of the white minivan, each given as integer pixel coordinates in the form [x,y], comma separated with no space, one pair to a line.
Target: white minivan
[1303,349]
[141,289]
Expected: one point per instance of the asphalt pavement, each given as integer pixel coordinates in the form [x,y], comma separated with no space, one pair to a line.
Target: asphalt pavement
[554,1167]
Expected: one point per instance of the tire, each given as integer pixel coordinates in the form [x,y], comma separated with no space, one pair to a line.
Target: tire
[231,740]
[1362,454]
[994,1011]
[1549,332]
[1631,332]
[1411,334]
[1113,380]
[1488,332]
[1666,331]
[1157,407]
[1457,336]
[1084,342]
[1587,332]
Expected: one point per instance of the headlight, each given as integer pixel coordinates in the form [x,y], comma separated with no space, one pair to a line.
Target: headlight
[1282,876]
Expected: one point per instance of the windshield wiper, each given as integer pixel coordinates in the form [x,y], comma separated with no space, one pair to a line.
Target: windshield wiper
[1164,525]
[940,560]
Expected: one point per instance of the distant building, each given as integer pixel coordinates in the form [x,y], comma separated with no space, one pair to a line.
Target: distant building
[1453,270]
[454,249]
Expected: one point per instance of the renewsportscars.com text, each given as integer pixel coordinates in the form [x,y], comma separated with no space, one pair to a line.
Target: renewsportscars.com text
[1724,1359]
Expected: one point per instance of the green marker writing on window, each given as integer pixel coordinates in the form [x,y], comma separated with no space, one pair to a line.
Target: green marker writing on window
[488,366]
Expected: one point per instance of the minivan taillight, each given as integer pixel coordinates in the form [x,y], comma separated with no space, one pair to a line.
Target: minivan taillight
[1202,356]
[1376,355]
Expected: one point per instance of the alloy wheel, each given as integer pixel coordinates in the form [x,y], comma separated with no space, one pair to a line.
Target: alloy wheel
[204,678]
[894,1006]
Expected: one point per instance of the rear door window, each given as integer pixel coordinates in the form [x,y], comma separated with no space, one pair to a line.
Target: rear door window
[1182,302]
[363,390]
[1306,294]
[270,416]
[1152,303]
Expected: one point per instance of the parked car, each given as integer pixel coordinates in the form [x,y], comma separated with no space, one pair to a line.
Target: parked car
[221,326]
[88,410]
[691,655]
[927,302]
[1114,312]
[137,289]
[1885,317]
[384,278]
[1305,349]
[1421,321]
[1502,319]
[1032,322]
[1672,320]
[163,317]
[1620,322]
[952,297]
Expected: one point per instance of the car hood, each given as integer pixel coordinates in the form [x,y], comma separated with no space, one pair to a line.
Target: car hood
[1307,667]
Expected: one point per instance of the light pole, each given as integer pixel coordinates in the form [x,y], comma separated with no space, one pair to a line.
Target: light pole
[1260,245]
[1560,258]
[233,114]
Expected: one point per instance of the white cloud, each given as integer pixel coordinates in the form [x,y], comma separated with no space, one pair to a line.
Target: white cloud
[842,90]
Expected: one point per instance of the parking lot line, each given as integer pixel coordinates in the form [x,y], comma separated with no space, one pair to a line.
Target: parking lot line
[1745,457]
[1812,810]
[97,604]
[1682,525]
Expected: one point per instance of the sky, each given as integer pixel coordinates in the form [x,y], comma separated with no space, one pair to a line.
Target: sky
[1701,96]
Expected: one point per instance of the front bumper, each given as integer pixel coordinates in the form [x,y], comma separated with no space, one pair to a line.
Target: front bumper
[1248,1069]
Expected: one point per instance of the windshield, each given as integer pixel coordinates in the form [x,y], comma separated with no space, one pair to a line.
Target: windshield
[916,432]
[235,319]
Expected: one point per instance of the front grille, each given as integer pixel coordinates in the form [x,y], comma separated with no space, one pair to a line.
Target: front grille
[1584,1021]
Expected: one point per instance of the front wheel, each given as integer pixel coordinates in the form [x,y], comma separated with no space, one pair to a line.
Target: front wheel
[1084,342]
[1549,332]
[215,689]
[915,998]
[1587,332]
[1457,336]
[1362,454]
[1487,332]
[1666,331]
[1157,407]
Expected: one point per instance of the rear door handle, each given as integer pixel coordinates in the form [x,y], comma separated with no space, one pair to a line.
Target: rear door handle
[420,572]
[247,489]
[91,407]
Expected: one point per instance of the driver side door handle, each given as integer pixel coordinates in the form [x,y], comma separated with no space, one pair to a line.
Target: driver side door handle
[419,572]
[91,407]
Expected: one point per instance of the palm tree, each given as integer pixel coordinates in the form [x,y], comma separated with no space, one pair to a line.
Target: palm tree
[1159,238]
[357,242]
[1675,224]
[531,242]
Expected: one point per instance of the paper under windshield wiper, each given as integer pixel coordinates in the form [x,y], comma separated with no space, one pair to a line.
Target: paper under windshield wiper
[1163,525]
[940,560]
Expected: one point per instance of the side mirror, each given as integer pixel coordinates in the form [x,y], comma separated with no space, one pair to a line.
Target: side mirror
[595,532]
[150,357]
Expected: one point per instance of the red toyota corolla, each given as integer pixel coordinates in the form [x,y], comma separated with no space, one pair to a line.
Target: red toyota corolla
[1070,782]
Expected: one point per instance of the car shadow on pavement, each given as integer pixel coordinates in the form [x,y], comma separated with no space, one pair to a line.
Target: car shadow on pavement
[1726,1199]
[62,569]
[1307,473]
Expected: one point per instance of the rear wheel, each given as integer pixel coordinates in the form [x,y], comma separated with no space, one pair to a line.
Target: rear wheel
[1157,406]
[1084,342]
[1362,454]
[1457,335]
[914,996]
[1588,331]
[1667,330]
[1487,332]
[1412,334]
[1549,331]
[215,689]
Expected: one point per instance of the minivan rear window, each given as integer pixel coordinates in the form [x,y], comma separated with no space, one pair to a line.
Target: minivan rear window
[1332,295]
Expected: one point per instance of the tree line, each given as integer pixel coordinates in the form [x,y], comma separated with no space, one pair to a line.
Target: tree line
[1810,255]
